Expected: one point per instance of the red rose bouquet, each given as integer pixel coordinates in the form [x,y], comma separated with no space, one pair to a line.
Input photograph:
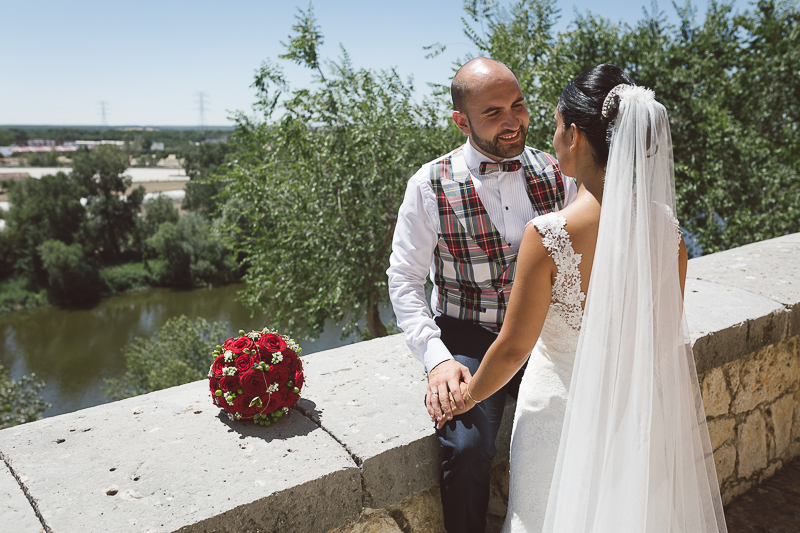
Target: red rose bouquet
[257,375]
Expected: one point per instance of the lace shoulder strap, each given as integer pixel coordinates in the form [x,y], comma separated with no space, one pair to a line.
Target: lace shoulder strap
[567,292]
[555,238]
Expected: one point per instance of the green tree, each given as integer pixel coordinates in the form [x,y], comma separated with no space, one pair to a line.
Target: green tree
[40,210]
[729,83]
[112,219]
[194,256]
[180,352]
[200,165]
[71,279]
[313,192]
[157,211]
[20,401]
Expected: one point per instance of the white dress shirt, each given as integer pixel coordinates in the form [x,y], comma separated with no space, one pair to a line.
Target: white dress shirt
[505,197]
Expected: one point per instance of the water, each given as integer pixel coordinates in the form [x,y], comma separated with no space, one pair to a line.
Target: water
[74,351]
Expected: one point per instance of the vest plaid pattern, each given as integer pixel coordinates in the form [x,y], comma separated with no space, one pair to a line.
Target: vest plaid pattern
[474,266]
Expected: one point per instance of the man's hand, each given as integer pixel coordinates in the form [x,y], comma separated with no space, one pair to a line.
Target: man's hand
[445,379]
[456,410]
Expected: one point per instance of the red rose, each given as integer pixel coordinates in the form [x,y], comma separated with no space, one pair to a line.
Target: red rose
[282,399]
[268,404]
[270,343]
[217,366]
[290,359]
[278,374]
[213,384]
[244,362]
[238,345]
[229,383]
[242,406]
[299,379]
[253,382]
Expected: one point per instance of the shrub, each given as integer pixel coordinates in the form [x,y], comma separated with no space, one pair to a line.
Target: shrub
[126,277]
[15,294]
[180,352]
[19,399]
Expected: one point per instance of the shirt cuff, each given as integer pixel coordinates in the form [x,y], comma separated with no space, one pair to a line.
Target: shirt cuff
[434,352]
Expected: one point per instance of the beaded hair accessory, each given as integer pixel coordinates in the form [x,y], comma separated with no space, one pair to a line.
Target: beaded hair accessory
[610,97]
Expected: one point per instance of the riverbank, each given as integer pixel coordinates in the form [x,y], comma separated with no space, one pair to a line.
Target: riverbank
[16,295]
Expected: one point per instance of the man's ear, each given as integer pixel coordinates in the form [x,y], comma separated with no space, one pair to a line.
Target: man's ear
[461,121]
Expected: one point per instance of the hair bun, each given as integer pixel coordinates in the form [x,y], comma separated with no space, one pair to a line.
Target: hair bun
[611,103]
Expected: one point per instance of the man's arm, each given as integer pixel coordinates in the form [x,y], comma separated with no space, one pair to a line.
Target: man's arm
[413,245]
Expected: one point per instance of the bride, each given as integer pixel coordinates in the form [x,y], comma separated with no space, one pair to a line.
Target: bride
[609,433]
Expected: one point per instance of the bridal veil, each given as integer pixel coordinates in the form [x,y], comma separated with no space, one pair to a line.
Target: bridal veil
[634,454]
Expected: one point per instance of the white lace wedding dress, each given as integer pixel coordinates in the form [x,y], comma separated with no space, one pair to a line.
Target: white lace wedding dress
[545,386]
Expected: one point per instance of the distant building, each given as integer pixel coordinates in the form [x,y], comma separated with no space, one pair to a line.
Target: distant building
[6,151]
[93,144]
[156,146]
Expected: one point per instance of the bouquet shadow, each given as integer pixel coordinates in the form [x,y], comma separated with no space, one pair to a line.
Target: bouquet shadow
[295,424]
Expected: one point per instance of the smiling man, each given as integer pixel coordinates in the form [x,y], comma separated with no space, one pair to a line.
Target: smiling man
[461,223]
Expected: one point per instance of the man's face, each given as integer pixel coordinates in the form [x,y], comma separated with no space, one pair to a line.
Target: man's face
[496,119]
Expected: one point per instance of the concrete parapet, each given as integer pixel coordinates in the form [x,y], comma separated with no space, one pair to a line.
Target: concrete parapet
[359,455]
[170,461]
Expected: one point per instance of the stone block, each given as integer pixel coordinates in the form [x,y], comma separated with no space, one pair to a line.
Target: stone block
[726,323]
[714,388]
[371,521]
[766,375]
[752,445]
[15,509]
[725,462]
[422,511]
[170,461]
[721,430]
[370,397]
[735,489]
[500,475]
[770,471]
[781,417]
[768,268]
[796,417]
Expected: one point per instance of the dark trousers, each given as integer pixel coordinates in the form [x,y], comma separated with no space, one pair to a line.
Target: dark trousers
[468,440]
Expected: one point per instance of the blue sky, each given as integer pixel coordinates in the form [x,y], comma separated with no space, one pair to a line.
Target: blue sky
[148,60]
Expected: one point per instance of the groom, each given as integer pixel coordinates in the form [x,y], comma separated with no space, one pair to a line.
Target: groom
[461,223]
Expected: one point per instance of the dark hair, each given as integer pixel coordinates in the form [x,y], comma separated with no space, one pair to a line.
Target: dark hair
[581,103]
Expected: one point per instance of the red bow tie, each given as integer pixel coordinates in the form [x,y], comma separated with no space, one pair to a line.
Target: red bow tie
[503,166]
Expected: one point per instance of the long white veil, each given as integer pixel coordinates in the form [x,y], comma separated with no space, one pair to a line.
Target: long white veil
[634,454]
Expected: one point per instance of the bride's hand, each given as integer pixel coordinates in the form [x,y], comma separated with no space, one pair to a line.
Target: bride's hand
[456,411]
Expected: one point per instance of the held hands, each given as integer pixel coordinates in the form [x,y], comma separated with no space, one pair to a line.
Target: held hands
[469,404]
[446,391]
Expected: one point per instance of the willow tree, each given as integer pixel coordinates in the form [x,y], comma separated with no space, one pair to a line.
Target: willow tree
[315,182]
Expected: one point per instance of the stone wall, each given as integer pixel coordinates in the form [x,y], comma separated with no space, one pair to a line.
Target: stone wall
[358,454]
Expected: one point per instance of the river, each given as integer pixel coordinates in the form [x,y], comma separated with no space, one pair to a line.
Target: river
[75,351]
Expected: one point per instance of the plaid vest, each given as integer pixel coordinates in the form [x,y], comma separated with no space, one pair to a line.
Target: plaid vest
[474,266]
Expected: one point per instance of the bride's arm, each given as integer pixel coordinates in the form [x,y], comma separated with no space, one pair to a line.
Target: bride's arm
[527,309]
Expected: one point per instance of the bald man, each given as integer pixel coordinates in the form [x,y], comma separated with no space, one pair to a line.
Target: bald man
[461,223]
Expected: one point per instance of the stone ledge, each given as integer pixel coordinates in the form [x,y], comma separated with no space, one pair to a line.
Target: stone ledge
[14,505]
[361,438]
[770,269]
[170,461]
